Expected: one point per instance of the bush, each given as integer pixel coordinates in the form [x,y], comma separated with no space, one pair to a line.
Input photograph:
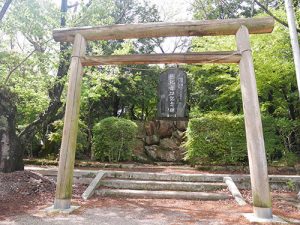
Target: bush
[114,139]
[289,130]
[220,139]
[55,137]
[273,142]
[216,139]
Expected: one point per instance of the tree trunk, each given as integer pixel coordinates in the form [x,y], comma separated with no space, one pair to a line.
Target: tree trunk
[51,113]
[11,154]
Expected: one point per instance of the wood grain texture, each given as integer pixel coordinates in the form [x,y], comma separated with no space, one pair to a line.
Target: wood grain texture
[68,146]
[166,29]
[188,58]
[254,132]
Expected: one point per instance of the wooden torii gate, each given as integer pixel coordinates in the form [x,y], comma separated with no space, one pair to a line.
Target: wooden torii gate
[241,28]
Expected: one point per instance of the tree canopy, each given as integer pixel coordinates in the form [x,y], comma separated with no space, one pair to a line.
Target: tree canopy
[34,68]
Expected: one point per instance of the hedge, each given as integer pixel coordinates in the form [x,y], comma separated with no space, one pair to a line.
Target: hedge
[113,139]
[220,139]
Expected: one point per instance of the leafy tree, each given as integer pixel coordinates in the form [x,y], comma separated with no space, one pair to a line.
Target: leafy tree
[216,87]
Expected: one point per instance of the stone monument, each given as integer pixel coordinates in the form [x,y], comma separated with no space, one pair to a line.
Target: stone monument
[172,95]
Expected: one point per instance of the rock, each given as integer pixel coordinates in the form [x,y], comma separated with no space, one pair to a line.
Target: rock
[178,135]
[181,125]
[165,128]
[174,155]
[168,156]
[152,151]
[11,152]
[152,140]
[142,158]
[139,153]
[168,144]
[150,128]
[159,154]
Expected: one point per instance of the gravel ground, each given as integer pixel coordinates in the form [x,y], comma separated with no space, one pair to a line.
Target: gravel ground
[112,216]
[108,211]
[24,195]
[118,211]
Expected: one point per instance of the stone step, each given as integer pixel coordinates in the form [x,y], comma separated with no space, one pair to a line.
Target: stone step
[162,194]
[165,176]
[162,185]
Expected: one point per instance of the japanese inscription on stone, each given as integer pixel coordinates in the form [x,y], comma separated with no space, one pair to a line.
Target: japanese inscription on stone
[172,94]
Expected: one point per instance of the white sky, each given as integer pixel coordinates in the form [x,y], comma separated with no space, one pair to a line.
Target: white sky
[170,10]
[173,10]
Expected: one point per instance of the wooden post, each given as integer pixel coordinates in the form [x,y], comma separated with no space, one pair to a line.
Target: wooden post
[262,204]
[68,146]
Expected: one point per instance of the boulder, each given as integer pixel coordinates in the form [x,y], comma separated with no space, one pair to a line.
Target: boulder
[181,125]
[152,151]
[174,155]
[165,128]
[178,135]
[152,140]
[142,158]
[159,154]
[167,156]
[168,144]
[150,128]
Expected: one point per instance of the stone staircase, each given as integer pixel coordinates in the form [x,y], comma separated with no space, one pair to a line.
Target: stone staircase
[162,185]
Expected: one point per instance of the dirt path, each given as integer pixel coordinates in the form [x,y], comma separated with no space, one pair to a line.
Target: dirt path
[24,194]
[142,212]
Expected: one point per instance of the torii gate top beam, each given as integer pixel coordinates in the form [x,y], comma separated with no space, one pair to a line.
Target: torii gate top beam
[166,29]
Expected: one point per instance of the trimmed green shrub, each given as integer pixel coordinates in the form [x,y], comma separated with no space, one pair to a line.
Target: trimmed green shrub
[220,139]
[114,139]
[216,139]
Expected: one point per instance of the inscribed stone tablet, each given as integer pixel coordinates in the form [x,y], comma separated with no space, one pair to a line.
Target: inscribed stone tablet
[172,94]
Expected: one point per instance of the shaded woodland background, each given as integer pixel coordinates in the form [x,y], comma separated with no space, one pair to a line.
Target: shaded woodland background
[33,72]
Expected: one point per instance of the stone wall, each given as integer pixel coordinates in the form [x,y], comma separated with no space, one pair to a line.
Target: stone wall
[160,140]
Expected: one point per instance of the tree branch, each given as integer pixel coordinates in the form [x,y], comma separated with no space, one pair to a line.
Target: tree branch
[4,8]
[17,66]
[21,63]
[272,15]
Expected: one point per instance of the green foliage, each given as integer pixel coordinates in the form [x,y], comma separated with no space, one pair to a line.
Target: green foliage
[130,91]
[113,139]
[291,185]
[216,138]
[217,87]
[55,137]
[210,9]
[31,58]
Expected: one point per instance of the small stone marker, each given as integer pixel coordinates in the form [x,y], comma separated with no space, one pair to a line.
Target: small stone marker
[172,94]
[93,185]
[234,191]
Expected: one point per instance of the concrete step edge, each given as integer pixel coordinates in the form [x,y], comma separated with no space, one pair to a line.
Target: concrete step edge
[162,194]
[162,185]
[165,176]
